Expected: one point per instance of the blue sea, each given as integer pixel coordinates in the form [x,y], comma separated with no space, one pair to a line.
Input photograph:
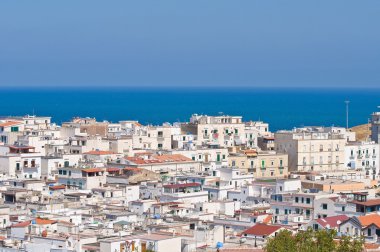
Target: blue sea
[282,108]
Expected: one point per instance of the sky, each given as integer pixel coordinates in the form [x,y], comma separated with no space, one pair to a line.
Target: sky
[197,43]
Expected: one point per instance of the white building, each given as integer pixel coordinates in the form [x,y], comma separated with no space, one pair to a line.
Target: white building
[363,156]
[218,130]
[20,161]
[311,149]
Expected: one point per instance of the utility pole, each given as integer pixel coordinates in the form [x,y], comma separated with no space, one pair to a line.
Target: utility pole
[347,103]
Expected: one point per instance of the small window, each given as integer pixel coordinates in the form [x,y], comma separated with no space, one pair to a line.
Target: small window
[324,206]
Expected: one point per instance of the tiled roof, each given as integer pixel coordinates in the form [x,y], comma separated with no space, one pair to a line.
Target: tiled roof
[113,169]
[369,219]
[372,202]
[173,158]
[57,187]
[92,170]
[261,229]
[9,123]
[21,224]
[40,221]
[333,221]
[182,185]
[267,219]
[160,159]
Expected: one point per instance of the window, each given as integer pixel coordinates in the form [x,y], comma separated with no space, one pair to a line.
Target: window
[159,145]
[277,211]
[369,231]
[224,156]
[60,172]
[193,158]
[307,200]
[286,211]
[343,208]
[14,129]
[66,164]
[324,206]
[263,163]
[218,157]
[296,199]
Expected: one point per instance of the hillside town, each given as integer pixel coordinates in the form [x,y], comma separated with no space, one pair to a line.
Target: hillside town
[214,183]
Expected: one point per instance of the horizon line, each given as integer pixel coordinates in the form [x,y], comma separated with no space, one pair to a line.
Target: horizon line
[331,87]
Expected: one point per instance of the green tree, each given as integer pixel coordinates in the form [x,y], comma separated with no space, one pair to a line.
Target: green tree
[313,241]
[349,244]
[283,242]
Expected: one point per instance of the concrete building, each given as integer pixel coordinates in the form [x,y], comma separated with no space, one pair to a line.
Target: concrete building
[221,130]
[363,156]
[261,164]
[20,161]
[311,149]
[375,127]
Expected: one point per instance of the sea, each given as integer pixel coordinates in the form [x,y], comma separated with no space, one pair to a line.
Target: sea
[282,108]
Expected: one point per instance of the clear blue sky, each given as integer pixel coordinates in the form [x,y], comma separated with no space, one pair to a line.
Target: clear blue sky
[190,43]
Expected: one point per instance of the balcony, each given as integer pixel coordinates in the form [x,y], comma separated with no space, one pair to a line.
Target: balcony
[352,157]
[31,166]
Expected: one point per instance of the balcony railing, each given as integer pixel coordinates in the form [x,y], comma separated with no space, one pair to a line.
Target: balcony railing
[31,166]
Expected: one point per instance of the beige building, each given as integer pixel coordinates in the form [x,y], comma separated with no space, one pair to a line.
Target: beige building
[333,185]
[222,130]
[261,164]
[155,137]
[312,150]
